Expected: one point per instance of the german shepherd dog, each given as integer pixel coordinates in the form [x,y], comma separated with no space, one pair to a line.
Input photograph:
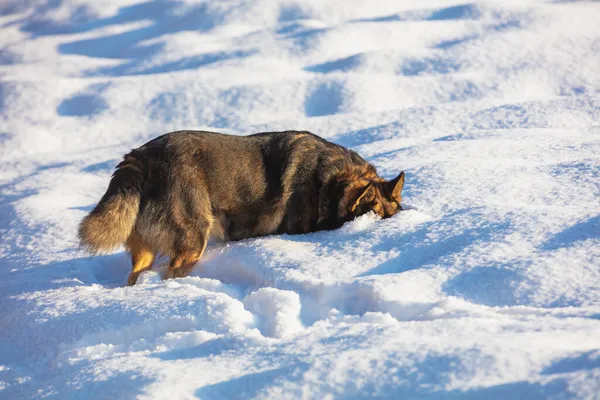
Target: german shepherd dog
[176,192]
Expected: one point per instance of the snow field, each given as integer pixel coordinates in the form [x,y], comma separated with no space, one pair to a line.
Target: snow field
[487,286]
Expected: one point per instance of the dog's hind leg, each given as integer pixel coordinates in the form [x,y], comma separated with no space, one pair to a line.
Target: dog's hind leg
[142,257]
[181,264]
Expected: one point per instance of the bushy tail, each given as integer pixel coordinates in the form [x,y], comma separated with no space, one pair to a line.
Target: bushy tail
[110,223]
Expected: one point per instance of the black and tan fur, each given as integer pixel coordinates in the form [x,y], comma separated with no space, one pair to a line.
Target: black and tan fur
[176,192]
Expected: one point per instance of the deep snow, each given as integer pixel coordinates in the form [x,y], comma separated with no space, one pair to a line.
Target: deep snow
[488,286]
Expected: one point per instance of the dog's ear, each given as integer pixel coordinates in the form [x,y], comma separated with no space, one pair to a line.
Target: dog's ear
[394,187]
[360,195]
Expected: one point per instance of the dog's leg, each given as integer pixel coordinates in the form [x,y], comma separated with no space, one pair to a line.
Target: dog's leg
[182,264]
[142,257]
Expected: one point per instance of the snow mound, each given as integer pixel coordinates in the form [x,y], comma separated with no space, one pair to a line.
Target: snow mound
[279,311]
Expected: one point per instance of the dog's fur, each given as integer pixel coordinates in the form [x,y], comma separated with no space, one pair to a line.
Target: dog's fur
[174,193]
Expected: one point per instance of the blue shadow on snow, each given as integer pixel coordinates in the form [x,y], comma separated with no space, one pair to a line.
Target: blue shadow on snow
[588,229]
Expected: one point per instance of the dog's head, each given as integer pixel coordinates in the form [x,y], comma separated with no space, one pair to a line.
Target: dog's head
[377,195]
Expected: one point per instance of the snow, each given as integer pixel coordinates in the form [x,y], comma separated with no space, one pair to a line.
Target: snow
[487,286]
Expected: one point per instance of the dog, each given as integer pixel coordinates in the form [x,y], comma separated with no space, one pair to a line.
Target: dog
[180,190]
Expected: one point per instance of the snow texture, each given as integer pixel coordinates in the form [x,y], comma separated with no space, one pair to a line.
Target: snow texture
[487,286]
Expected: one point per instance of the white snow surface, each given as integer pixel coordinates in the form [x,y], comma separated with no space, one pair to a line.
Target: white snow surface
[487,286]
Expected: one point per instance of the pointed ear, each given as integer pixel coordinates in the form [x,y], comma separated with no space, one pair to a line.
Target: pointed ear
[360,196]
[394,187]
